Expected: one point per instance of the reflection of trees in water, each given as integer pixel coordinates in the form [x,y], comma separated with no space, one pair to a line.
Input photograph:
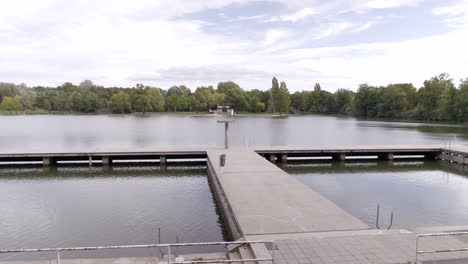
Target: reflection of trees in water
[446,131]
[303,167]
[115,171]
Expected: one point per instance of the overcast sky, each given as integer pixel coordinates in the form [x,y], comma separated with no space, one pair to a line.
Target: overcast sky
[338,43]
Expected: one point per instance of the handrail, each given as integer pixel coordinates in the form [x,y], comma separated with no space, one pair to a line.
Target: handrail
[439,250]
[168,246]
[134,246]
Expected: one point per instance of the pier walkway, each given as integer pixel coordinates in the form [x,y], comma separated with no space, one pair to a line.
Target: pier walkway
[262,202]
[266,200]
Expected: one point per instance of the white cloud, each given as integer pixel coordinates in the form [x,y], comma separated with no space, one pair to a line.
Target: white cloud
[331,29]
[272,36]
[123,42]
[378,4]
[457,14]
[294,17]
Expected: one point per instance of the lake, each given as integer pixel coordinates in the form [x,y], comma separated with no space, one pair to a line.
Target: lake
[123,205]
[420,193]
[64,132]
[75,205]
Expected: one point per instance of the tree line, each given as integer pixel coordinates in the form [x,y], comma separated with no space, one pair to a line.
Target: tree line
[439,99]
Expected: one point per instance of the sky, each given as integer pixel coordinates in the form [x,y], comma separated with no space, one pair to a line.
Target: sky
[337,43]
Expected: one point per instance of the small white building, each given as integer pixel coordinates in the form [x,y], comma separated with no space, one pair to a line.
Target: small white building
[222,109]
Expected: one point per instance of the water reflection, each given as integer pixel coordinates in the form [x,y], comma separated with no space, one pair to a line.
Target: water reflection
[421,193]
[72,206]
[99,131]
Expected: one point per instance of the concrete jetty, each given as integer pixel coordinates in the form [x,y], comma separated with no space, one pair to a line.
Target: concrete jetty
[260,198]
[262,202]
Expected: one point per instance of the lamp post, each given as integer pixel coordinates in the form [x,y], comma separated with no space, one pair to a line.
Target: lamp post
[226,127]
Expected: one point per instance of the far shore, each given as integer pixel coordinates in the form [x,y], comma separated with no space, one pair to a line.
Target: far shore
[241,114]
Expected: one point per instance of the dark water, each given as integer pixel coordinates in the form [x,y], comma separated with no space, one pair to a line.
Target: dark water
[420,193]
[55,132]
[79,206]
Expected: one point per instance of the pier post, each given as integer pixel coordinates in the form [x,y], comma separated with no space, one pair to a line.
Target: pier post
[339,156]
[106,161]
[49,161]
[162,160]
[272,158]
[386,156]
[283,157]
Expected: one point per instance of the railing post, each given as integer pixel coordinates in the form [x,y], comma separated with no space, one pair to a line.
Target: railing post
[417,249]
[58,257]
[273,253]
[168,254]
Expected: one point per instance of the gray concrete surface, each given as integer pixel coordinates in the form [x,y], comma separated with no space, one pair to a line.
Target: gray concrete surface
[267,200]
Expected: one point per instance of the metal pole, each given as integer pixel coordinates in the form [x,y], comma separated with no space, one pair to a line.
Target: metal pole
[377,220]
[273,253]
[58,257]
[168,254]
[226,126]
[417,248]
[391,221]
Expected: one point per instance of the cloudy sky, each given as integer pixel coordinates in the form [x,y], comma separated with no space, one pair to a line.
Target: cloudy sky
[338,43]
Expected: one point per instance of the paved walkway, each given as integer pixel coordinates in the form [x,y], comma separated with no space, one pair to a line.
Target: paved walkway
[352,248]
[267,200]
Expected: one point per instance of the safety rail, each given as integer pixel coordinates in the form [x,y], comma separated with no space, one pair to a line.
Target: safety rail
[440,250]
[168,246]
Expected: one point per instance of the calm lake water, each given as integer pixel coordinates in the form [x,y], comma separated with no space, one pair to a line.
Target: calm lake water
[55,132]
[420,193]
[79,206]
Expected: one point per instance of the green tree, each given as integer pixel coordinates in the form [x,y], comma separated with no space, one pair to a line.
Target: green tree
[429,97]
[462,101]
[317,87]
[120,103]
[275,95]
[156,98]
[142,104]
[344,101]
[203,99]
[235,97]
[366,101]
[284,101]
[393,102]
[299,101]
[177,98]
[10,104]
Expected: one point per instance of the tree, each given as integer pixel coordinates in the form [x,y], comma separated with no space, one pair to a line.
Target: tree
[177,98]
[393,102]
[203,99]
[260,107]
[366,101]
[120,103]
[235,97]
[10,104]
[461,103]
[142,104]
[284,100]
[91,102]
[344,101]
[156,98]
[429,97]
[317,87]
[86,85]
[275,95]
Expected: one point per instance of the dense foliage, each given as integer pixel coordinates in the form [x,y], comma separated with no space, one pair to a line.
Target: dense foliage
[439,99]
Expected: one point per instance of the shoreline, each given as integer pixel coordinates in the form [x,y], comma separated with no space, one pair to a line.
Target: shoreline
[243,114]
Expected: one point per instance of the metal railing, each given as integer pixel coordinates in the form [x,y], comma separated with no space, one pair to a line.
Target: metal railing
[168,246]
[439,250]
